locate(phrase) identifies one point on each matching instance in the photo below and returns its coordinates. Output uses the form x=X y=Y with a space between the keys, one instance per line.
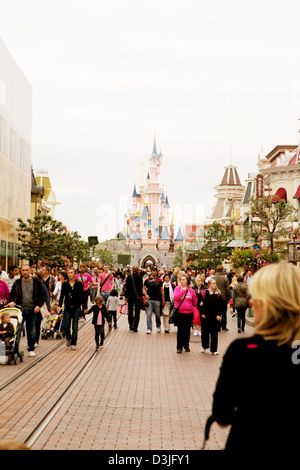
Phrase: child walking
x=112 y=306
x=99 y=316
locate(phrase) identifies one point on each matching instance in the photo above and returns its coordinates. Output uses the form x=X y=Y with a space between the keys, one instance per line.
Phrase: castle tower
x=153 y=189
x=149 y=233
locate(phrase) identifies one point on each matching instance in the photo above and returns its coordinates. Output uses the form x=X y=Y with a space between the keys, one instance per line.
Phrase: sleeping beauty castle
x=149 y=225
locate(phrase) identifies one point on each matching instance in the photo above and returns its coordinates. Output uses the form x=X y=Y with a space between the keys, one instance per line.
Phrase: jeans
x=105 y=296
x=93 y=294
x=241 y=317
x=154 y=306
x=30 y=318
x=99 y=332
x=72 y=317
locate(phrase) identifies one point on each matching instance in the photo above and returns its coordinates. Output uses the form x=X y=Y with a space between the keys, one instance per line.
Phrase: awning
x=280 y=194
x=297 y=193
x=242 y=220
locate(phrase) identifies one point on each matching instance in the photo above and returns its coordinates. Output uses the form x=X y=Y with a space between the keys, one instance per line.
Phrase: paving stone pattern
x=139 y=394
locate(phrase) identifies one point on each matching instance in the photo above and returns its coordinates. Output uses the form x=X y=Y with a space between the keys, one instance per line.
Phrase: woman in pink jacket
x=186 y=299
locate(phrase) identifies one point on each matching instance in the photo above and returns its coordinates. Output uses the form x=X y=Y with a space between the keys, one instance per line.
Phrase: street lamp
x=214 y=244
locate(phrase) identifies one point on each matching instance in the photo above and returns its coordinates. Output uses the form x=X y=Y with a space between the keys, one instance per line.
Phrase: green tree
x=105 y=256
x=178 y=260
x=39 y=237
x=273 y=217
x=44 y=239
x=223 y=235
x=75 y=248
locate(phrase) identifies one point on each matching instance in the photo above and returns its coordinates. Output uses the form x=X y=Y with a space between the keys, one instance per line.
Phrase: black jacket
x=74 y=297
x=95 y=310
x=138 y=280
x=16 y=293
x=212 y=306
x=257 y=392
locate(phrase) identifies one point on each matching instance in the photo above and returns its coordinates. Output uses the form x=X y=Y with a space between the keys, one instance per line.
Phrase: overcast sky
x=215 y=81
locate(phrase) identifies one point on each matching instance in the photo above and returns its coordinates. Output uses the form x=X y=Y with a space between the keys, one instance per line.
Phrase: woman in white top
x=57 y=290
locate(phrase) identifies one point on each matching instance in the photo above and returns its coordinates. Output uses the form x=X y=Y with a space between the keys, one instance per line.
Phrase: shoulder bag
x=102 y=283
x=174 y=312
x=249 y=301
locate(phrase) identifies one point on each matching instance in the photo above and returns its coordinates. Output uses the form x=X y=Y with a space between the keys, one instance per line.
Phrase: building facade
x=15 y=154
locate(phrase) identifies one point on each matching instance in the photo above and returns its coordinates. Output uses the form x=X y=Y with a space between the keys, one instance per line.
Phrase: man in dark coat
x=28 y=293
x=133 y=295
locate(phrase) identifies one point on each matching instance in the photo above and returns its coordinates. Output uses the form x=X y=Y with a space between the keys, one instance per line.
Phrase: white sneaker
x=149 y=332
x=195 y=333
x=203 y=350
x=31 y=353
x=73 y=347
x=158 y=330
x=215 y=353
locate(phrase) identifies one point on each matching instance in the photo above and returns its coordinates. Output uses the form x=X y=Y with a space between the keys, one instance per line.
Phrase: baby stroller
x=14 y=353
x=56 y=332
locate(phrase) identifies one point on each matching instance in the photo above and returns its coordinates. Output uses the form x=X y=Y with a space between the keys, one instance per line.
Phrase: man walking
x=133 y=295
x=106 y=283
x=11 y=277
x=28 y=293
x=153 y=289
x=72 y=294
x=248 y=278
x=223 y=286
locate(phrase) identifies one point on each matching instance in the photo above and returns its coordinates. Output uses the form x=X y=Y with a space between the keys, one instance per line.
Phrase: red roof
x=297 y=193
x=280 y=194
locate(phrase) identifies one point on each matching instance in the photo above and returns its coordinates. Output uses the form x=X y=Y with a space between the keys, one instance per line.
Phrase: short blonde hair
x=4 y=313
x=277 y=286
x=183 y=273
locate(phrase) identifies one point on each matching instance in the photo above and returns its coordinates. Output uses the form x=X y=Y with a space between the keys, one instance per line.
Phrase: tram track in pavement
x=59 y=344
x=31 y=398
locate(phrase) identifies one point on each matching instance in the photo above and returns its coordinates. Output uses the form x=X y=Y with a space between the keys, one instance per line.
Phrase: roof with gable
x=295 y=160
x=165 y=235
x=278 y=150
x=179 y=237
x=231 y=177
x=167 y=205
x=135 y=194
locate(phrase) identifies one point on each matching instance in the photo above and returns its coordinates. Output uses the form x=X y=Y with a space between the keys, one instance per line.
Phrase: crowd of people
x=198 y=302
x=258 y=372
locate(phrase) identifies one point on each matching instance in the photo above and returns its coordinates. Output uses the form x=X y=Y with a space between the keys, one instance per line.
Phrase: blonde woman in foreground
x=257 y=391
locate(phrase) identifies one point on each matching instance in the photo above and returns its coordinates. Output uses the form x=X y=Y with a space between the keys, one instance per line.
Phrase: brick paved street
x=140 y=394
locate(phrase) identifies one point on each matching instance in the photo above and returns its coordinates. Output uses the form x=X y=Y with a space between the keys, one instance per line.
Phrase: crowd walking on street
x=247 y=391
x=198 y=302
